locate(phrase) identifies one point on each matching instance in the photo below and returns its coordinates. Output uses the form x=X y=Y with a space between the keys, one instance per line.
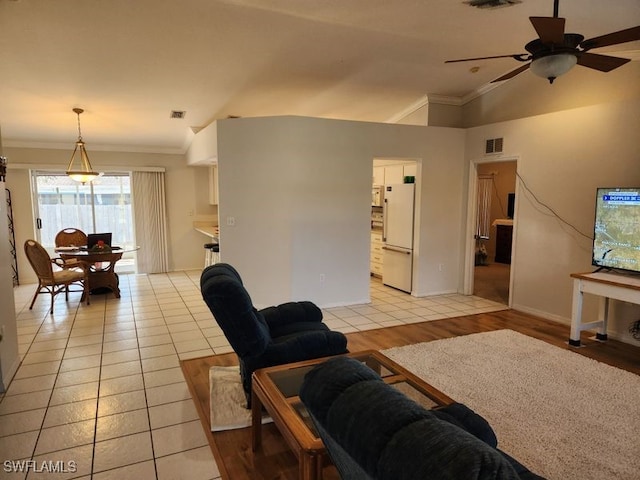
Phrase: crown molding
x=440 y=100
x=478 y=92
x=104 y=168
x=421 y=102
x=445 y=100
x=93 y=147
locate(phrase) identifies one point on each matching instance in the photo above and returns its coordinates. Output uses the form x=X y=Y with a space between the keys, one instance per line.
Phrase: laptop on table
x=94 y=238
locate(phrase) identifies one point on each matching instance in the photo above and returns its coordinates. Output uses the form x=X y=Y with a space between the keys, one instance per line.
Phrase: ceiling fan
x=554 y=53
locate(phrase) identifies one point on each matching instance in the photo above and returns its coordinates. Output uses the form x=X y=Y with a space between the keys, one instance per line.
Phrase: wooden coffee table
x=276 y=390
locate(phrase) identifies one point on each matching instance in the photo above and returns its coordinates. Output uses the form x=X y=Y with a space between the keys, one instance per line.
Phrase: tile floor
x=100 y=393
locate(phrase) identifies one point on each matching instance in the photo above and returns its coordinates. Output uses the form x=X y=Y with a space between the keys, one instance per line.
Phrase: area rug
x=227 y=405
x=563 y=415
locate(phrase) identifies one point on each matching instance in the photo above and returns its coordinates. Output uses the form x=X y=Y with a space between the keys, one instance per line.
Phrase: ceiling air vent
x=492 y=3
x=177 y=114
x=494 y=145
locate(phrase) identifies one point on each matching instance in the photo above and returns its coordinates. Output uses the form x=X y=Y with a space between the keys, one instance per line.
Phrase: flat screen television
x=616 y=236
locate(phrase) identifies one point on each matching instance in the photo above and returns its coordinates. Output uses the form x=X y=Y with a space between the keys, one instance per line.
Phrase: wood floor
x=232 y=449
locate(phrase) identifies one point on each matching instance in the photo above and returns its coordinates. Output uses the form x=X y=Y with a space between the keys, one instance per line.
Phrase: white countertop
x=212 y=231
x=502 y=221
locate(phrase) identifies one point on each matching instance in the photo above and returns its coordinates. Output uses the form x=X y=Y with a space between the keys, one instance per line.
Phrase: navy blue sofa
x=372 y=431
x=288 y=333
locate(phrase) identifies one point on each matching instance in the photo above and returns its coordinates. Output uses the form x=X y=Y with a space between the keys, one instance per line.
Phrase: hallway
x=491 y=282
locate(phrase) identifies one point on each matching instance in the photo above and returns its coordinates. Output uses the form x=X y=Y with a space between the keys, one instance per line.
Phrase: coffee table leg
x=256 y=421
x=309 y=466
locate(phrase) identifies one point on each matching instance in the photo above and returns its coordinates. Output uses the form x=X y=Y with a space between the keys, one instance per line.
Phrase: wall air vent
x=494 y=145
x=177 y=114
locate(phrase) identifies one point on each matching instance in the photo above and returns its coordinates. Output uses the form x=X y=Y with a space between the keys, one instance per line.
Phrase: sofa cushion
x=467 y=419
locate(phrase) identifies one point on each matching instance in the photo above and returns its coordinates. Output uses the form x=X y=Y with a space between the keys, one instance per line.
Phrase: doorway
x=495 y=186
x=394 y=262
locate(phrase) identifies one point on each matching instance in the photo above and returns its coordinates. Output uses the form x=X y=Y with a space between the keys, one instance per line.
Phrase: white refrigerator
x=398 y=236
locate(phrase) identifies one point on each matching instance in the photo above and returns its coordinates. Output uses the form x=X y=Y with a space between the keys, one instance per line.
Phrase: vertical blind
x=483 y=216
x=150 y=220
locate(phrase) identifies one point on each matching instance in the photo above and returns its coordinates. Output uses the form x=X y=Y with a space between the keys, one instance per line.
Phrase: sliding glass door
x=98 y=207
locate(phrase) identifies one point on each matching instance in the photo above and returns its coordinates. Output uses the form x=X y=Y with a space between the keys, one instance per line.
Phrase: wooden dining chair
x=50 y=280
x=70 y=237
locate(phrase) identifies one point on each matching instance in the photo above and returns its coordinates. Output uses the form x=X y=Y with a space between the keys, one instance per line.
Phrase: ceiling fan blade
x=604 y=63
x=512 y=73
x=550 y=29
x=622 y=36
x=518 y=56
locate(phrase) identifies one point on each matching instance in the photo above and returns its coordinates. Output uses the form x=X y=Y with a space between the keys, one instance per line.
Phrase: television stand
x=605 y=285
x=599 y=269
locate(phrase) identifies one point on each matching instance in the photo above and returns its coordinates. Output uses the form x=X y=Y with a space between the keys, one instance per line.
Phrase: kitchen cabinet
x=391 y=174
x=378 y=175
x=376 y=262
x=213 y=185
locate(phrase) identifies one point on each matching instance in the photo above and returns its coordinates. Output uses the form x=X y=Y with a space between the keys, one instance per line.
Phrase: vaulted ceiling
x=129 y=63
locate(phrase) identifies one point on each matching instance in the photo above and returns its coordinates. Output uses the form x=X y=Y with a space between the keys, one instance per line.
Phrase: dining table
x=99 y=264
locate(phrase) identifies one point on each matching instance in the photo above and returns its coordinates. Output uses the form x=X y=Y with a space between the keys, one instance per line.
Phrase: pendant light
x=85 y=173
x=3 y=162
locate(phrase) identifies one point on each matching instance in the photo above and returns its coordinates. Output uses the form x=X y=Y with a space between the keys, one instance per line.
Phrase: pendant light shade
x=552 y=66
x=85 y=172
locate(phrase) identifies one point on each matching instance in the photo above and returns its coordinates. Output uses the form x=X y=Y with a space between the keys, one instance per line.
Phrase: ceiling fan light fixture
x=85 y=173
x=552 y=66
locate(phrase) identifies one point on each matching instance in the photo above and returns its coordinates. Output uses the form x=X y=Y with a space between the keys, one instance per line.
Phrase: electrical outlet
x=440 y=267
x=231 y=221
x=322 y=278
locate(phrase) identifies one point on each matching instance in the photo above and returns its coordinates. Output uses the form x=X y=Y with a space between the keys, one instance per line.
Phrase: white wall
x=444 y=115
x=563 y=157
x=435 y=113
x=9 y=359
x=299 y=190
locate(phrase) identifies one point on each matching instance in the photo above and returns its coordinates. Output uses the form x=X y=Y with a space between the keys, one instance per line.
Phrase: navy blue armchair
x=287 y=333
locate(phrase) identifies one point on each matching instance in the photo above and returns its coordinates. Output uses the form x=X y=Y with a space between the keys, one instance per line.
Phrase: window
x=101 y=206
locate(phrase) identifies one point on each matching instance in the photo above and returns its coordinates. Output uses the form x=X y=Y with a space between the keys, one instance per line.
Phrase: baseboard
x=434 y=293
x=611 y=333
x=10 y=374
x=542 y=313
